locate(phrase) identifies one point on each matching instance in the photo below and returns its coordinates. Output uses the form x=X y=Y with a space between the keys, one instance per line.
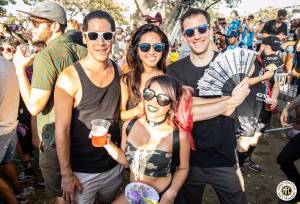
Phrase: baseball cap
x=272 y=41
x=153 y=18
x=49 y=10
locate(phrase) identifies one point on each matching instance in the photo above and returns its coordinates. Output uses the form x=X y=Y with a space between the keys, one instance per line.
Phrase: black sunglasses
x=191 y=31
x=108 y=36
x=145 y=47
x=162 y=100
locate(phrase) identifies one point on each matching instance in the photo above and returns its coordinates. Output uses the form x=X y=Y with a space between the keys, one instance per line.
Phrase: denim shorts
x=8 y=143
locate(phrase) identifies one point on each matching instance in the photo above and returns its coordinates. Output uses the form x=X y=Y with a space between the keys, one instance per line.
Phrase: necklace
x=153 y=124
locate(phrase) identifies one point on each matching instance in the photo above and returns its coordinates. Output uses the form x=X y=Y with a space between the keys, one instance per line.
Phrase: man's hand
x=70 y=185
x=274 y=103
x=284 y=117
x=239 y=93
x=20 y=61
x=268 y=75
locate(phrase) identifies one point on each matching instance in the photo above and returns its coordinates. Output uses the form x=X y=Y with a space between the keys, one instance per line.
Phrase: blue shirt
x=247 y=36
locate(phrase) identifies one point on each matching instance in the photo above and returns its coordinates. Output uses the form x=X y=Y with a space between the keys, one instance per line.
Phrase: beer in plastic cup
x=268 y=103
x=99 y=132
x=28 y=50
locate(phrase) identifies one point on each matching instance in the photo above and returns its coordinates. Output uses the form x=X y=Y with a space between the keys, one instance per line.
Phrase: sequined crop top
x=153 y=163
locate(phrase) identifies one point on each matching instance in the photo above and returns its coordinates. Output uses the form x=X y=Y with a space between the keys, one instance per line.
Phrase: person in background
x=258 y=34
x=9 y=103
x=290 y=152
x=153 y=18
x=248 y=30
x=8 y=48
x=233 y=41
x=47 y=23
x=235 y=24
x=277 y=26
x=73 y=31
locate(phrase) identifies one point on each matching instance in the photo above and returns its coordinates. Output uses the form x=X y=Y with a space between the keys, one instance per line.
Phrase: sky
x=245 y=7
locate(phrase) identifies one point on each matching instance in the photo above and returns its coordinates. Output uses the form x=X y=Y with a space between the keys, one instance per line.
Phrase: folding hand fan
x=226 y=71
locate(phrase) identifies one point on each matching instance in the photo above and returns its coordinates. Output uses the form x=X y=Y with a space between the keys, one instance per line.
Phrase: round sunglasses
x=145 y=47
x=10 y=50
x=190 y=32
x=108 y=36
x=162 y=99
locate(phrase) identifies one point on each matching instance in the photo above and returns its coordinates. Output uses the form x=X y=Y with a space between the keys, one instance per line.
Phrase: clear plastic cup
x=28 y=50
x=99 y=132
x=268 y=103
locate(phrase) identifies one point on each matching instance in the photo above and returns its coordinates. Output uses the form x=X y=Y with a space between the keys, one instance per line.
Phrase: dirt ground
x=260 y=187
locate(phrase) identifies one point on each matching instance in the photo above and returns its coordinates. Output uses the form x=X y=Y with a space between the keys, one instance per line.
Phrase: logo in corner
x=286 y=190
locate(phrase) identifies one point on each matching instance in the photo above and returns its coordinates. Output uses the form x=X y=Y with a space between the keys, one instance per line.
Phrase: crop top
x=153 y=163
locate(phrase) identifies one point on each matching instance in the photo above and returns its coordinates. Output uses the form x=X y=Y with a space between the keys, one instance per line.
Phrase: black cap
x=272 y=41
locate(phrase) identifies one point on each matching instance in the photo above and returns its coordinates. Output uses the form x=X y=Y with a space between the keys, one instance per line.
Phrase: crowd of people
x=56 y=76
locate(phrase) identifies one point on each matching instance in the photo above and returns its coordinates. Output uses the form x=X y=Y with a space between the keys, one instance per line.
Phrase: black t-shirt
x=215 y=138
x=270 y=28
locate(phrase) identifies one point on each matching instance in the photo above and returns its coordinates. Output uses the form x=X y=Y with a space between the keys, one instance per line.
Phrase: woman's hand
x=168 y=197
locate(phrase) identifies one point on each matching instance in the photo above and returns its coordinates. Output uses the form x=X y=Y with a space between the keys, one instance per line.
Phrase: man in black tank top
x=88 y=90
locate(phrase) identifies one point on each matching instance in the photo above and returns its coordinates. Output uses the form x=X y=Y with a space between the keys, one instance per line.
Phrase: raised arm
x=35 y=99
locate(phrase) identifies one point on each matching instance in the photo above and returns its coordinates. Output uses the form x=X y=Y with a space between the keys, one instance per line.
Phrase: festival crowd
x=57 y=76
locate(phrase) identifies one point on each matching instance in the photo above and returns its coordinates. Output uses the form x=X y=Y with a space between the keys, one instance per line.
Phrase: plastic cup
x=99 y=132
x=268 y=103
x=28 y=50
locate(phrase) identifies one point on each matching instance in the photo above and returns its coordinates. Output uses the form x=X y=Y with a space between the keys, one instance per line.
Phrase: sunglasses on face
x=36 y=22
x=158 y=47
x=191 y=31
x=162 y=100
x=108 y=36
x=10 y=50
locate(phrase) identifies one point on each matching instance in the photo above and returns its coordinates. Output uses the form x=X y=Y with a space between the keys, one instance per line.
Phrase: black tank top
x=96 y=103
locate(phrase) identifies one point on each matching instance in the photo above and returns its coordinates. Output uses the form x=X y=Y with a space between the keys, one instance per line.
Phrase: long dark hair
x=180 y=114
x=133 y=78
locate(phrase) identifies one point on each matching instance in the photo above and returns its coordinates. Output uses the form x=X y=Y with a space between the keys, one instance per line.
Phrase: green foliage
x=76 y=6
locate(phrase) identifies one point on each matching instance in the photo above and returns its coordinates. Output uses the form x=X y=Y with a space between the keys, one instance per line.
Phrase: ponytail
x=183 y=116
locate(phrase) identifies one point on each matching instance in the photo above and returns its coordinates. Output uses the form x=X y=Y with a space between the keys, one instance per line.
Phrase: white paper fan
x=226 y=71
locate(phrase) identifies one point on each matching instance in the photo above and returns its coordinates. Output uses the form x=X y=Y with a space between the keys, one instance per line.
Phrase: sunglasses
x=108 y=36
x=191 y=31
x=10 y=50
x=162 y=100
x=36 y=23
x=158 y=47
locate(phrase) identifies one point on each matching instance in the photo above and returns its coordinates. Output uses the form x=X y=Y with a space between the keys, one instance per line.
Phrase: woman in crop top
x=147 y=149
x=146 y=58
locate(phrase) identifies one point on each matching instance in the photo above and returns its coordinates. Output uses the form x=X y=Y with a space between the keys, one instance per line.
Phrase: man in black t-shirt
x=214 y=160
x=277 y=26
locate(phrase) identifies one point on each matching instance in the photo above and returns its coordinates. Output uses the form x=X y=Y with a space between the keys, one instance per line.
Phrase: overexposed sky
x=245 y=7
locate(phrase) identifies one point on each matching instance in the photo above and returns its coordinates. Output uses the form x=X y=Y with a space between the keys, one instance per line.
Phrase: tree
x=4 y=3
x=76 y=6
